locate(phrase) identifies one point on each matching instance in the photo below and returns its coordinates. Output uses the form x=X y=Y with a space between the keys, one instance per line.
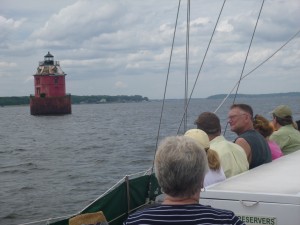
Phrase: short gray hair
x=180 y=166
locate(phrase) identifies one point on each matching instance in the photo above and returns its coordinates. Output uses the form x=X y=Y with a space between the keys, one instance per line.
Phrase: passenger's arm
x=244 y=144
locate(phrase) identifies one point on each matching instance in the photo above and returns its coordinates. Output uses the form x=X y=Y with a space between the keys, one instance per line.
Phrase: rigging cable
x=187 y=53
x=250 y=44
x=189 y=99
x=255 y=68
x=165 y=91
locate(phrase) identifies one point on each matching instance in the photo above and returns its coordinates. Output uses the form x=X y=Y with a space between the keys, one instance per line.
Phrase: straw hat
x=199 y=136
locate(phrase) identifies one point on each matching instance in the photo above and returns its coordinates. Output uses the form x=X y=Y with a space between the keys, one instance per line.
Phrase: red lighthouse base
x=50 y=105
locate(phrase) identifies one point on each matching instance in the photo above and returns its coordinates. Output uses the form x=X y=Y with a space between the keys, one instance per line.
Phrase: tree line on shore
x=76 y=99
x=97 y=99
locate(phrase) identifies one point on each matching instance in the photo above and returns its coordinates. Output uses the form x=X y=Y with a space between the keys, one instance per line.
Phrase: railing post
x=128 y=193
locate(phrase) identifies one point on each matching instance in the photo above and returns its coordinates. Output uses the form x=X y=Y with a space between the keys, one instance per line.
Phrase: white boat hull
x=268 y=194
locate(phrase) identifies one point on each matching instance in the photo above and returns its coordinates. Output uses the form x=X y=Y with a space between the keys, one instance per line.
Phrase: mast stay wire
x=250 y=45
x=166 y=83
x=187 y=53
x=255 y=68
x=202 y=63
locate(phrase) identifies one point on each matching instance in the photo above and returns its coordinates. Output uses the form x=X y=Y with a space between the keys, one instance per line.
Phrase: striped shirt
x=182 y=214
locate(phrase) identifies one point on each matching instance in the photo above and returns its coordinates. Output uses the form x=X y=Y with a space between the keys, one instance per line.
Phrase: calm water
x=56 y=165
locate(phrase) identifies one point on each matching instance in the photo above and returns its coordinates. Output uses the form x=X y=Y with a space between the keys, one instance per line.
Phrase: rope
x=166 y=84
x=185 y=110
x=250 y=44
x=187 y=60
x=263 y=62
x=255 y=68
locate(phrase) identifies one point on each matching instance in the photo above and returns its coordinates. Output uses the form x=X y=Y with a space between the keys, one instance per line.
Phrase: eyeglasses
x=232 y=117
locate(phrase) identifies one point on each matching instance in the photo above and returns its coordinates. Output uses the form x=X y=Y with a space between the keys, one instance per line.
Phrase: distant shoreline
x=76 y=99
x=288 y=94
x=222 y=96
x=105 y=99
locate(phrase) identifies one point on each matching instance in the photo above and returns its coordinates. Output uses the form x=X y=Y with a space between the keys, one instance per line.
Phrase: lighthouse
x=50 y=96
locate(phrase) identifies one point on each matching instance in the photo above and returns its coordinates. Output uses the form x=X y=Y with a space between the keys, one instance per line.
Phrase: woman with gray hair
x=180 y=166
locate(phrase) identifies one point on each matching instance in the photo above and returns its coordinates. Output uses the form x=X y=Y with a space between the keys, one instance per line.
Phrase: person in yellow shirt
x=232 y=156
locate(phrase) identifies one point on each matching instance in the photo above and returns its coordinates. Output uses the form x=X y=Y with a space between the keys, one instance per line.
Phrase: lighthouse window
x=56 y=80
x=38 y=80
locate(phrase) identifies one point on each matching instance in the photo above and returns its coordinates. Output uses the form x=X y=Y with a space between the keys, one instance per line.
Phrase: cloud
x=225 y=26
x=10 y=23
x=8 y=26
x=80 y=22
x=200 y=21
x=102 y=44
x=120 y=85
x=7 y=64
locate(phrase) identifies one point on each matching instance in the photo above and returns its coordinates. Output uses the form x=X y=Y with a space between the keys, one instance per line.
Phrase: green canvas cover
x=142 y=191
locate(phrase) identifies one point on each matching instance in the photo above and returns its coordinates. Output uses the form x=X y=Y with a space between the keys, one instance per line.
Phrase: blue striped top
x=182 y=214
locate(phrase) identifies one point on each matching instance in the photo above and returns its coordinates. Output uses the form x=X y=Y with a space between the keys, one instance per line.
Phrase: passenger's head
x=240 y=118
x=180 y=166
x=283 y=115
x=262 y=125
x=202 y=139
x=209 y=123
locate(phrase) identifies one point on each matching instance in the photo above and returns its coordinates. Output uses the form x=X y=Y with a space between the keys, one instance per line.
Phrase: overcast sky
x=114 y=47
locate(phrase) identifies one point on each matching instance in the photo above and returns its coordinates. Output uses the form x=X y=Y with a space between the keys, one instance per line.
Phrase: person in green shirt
x=286 y=136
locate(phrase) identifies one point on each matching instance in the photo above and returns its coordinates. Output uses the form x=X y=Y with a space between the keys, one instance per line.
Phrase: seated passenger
x=215 y=172
x=180 y=167
x=240 y=119
x=262 y=125
x=232 y=156
x=286 y=136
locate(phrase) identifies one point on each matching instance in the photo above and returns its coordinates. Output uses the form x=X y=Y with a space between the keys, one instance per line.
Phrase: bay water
x=52 y=166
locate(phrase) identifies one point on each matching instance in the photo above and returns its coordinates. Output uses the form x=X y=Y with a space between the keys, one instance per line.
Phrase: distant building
x=50 y=96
